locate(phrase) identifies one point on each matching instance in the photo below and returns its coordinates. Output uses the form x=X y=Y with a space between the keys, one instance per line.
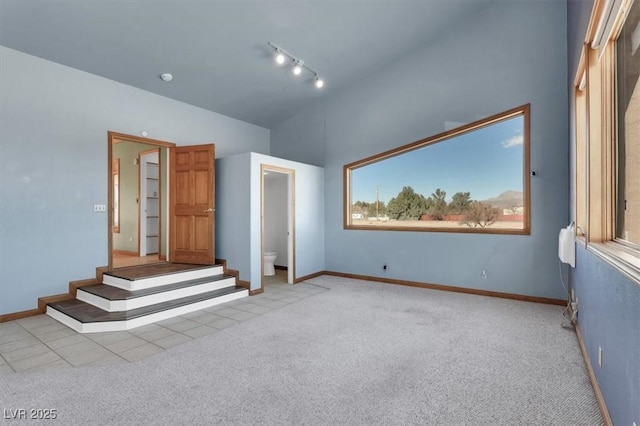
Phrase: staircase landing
x=140 y=295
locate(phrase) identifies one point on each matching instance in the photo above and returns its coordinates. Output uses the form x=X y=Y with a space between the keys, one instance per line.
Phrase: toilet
x=269 y=259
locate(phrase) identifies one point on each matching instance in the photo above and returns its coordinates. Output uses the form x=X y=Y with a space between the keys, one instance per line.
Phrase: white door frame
x=291 y=228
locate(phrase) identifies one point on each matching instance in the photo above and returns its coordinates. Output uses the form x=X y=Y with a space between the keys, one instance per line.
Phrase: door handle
x=209 y=210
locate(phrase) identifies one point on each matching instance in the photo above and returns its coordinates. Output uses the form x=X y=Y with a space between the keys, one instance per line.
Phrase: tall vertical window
x=628 y=128
x=607 y=111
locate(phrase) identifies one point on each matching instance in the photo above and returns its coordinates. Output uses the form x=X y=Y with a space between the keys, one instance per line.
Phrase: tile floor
x=40 y=342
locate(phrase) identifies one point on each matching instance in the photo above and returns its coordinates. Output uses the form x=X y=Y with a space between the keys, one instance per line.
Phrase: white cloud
x=514 y=141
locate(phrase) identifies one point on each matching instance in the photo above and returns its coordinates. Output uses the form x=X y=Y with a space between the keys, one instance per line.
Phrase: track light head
x=319 y=82
x=297 y=68
x=279 y=57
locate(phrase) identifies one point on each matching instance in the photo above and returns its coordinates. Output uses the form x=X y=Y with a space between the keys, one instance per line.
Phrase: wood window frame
x=524 y=111
x=596 y=172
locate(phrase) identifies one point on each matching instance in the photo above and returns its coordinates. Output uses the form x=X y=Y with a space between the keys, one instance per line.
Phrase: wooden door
x=192 y=205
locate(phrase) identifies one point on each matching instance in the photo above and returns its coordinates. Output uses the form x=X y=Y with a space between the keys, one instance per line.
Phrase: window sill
x=624 y=259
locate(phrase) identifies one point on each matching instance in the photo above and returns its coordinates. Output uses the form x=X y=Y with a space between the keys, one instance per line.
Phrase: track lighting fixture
x=298 y=64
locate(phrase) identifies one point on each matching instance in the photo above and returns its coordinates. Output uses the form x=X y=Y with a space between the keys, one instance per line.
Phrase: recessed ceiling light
x=166 y=76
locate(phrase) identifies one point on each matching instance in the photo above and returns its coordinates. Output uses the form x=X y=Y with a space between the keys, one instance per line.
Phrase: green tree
x=377 y=207
x=439 y=206
x=360 y=207
x=480 y=215
x=428 y=204
x=407 y=205
x=460 y=202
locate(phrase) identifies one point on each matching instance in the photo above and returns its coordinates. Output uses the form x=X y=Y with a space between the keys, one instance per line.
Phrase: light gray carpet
x=361 y=353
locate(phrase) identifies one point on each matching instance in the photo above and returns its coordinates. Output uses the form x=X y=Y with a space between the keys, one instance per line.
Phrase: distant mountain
x=506 y=200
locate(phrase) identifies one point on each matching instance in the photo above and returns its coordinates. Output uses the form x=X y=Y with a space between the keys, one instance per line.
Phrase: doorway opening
x=277 y=202
x=150 y=180
x=138 y=200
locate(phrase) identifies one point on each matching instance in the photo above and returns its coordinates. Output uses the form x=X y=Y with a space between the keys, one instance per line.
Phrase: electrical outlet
x=483 y=274
x=384 y=267
x=599 y=356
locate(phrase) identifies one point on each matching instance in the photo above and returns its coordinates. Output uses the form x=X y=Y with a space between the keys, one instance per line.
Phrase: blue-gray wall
x=53 y=166
x=233 y=204
x=499 y=59
x=609 y=318
x=608 y=302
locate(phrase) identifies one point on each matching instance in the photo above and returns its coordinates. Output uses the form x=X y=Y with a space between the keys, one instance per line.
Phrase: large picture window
x=474 y=178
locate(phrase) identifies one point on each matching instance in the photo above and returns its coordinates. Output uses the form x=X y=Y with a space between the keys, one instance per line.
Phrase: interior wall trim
x=592 y=378
x=310 y=276
x=232 y=272
x=125 y=252
x=18 y=315
x=512 y=296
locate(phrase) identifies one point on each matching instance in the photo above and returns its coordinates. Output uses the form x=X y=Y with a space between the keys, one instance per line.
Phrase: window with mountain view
x=474 y=178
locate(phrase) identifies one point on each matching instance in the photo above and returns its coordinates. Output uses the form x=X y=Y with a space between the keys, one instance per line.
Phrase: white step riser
x=152 y=299
x=138 y=322
x=133 y=285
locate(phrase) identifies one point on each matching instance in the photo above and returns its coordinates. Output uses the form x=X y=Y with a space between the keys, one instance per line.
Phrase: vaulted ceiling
x=217 y=49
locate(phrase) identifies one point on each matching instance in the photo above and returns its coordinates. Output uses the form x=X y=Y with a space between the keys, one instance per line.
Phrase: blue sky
x=485 y=162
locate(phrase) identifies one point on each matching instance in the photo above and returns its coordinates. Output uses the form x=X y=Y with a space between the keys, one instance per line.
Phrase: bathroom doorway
x=277 y=225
